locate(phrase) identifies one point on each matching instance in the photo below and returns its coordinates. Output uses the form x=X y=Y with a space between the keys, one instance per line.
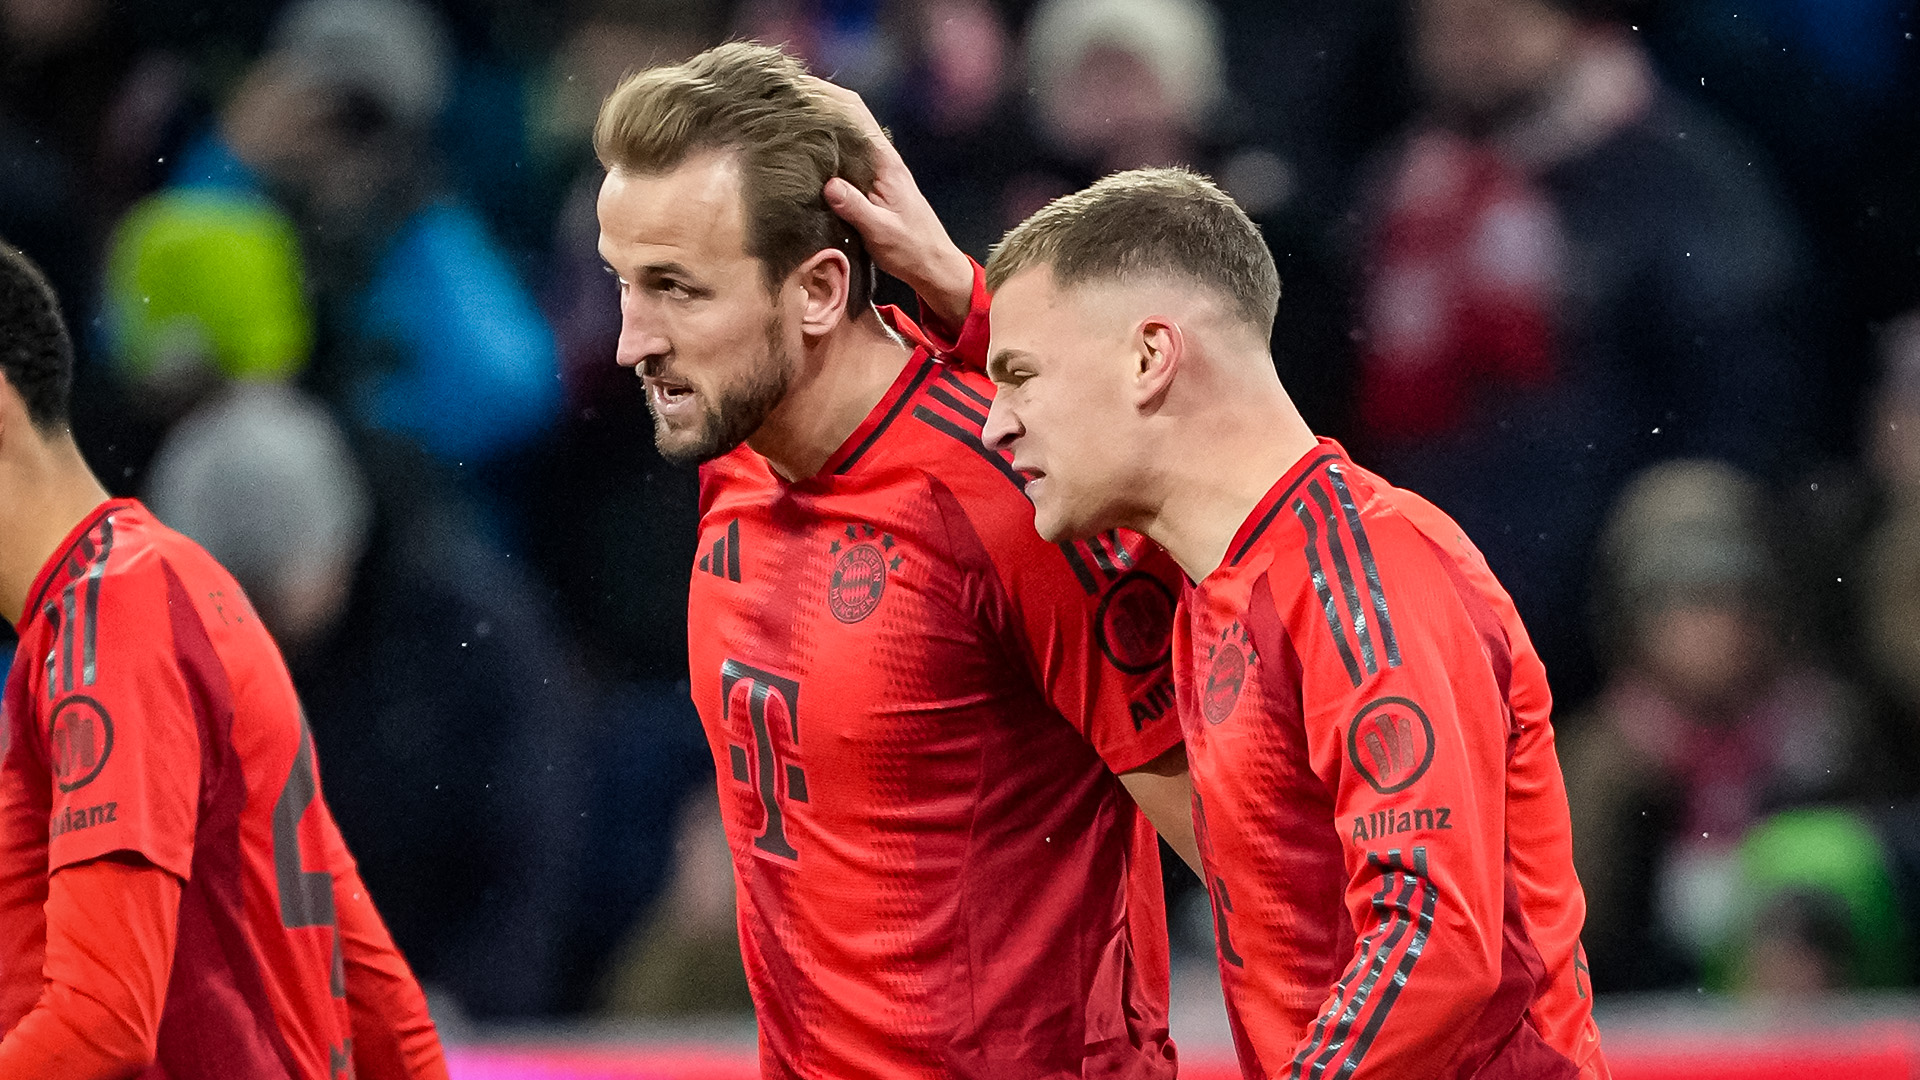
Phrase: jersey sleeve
x=966 y=344
x=1094 y=620
x=1407 y=726
x=123 y=744
x=393 y=1036
x=110 y=934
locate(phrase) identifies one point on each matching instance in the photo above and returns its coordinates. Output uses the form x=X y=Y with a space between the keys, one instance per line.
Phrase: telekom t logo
x=769 y=768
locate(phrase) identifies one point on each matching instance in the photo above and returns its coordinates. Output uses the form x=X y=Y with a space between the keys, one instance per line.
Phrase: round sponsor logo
x=1390 y=743
x=1135 y=623
x=1224 y=679
x=858 y=580
x=79 y=739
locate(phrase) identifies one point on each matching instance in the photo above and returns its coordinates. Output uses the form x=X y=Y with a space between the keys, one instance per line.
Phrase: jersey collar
x=1276 y=497
x=912 y=376
x=61 y=566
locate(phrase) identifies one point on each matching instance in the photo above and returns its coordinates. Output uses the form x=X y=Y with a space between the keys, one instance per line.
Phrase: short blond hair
x=752 y=101
x=1148 y=222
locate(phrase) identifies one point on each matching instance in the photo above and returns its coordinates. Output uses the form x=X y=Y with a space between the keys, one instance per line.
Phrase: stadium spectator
x=431 y=334
x=1569 y=272
x=1709 y=719
x=445 y=709
x=1115 y=84
x=685 y=959
x=1815 y=909
x=1889 y=592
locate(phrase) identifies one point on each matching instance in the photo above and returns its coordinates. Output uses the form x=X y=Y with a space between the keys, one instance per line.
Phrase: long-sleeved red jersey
x=162 y=828
x=1382 y=818
x=917 y=710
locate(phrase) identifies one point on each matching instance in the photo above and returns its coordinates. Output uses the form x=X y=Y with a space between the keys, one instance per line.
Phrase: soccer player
x=174 y=898
x=1382 y=821
x=925 y=721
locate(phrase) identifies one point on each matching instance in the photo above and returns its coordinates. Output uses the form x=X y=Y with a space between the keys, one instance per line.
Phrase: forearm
x=944 y=282
x=1415 y=988
x=393 y=1036
x=1164 y=792
x=110 y=938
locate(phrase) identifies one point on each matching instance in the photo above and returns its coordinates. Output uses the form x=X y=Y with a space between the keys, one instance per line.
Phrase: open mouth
x=1028 y=474
x=668 y=393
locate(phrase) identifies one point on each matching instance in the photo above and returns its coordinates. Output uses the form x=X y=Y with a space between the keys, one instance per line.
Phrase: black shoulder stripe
x=955 y=381
x=1367 y=566
x=95 y=572
x=1254 y=536
x=1327 y=604
x=919 y=377
x=1343 y=567
x=1101 y=556
x=971 y=440
x=1080 y=568
x=940 y=395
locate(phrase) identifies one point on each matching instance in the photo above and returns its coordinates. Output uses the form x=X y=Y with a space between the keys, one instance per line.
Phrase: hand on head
x=902 y=232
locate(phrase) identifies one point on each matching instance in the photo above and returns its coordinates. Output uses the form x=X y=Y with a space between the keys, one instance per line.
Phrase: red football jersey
x=917 y=708
x=1382 y=819
x=148 y=711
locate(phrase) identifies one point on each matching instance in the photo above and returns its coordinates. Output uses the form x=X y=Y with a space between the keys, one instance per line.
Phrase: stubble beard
x=738 y=410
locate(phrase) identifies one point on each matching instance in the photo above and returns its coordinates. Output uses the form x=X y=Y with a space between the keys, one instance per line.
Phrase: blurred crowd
x=1632 y=290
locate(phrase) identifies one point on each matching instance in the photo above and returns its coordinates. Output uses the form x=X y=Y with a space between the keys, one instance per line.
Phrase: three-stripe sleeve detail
x=1367 y=566
x=1371 y=623
x=1405 y=903
x=75 y=615
x=1319 y=575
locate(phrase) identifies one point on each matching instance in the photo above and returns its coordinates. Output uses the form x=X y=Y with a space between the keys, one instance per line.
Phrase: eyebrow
x=649 y=268
x=997 y=363
x=669 y=267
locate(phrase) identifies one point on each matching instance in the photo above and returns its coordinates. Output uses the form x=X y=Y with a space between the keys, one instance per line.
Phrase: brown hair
x=749 y=100
x=1148 y=221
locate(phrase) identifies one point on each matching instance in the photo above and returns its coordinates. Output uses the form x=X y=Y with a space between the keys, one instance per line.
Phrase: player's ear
x=826 y=281
x=1159 y=349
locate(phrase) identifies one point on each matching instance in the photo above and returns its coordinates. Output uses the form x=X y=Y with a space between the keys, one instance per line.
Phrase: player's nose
x=641 y=339
x=1003 y=427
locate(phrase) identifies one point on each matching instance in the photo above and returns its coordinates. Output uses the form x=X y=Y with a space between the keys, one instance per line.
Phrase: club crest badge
x=1230 y=658
x=863 y=557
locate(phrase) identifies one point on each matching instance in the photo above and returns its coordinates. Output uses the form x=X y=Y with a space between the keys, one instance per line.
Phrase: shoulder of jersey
x=144 y=544
x=944 y=420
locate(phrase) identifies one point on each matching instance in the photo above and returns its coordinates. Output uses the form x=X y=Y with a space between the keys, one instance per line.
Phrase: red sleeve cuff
x=966 y=344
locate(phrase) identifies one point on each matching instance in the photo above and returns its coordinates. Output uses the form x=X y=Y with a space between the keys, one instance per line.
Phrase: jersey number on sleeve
x=306 y=896
x=771 y=706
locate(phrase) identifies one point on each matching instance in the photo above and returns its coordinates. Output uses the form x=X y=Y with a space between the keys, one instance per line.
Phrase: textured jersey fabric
x=1383 y=824
x=917 y=709
x=149 y=715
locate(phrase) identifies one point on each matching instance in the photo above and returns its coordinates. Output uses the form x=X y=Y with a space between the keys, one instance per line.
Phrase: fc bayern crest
x=865 y=558
x=1229 y=658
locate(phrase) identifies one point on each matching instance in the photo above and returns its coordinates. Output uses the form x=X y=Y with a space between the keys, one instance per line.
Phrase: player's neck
x=841 y=378
x=45 y=490
x=1216 y=467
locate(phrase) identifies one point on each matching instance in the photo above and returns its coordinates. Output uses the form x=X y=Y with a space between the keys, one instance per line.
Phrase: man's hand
x=899 y=226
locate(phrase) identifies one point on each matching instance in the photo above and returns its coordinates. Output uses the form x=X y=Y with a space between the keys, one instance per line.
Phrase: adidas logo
x=724 y=560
